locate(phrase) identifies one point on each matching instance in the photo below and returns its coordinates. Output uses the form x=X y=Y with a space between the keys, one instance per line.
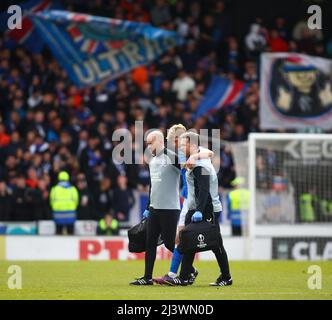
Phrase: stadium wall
x=52 y=248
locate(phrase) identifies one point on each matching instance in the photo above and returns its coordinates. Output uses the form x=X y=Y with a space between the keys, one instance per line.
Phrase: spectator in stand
x=169 y=65
x=306 y=44
x=160 y=13
x=106 y=143
x=182 y=85
x=319 y=49
x=223 y=19
x=108 y=226
x=301 y=28
x=99 y=100
x=209 y=35
x=226 y=174
x=189 y=57
x=11 y=167
x=233 y=57
x=104 y=197
x=276 y=43
x=15 y=143
x=5 y=202
x=140 y=76
x=86 y=208
x=82 y=142
x=4 y=137
x=255 y=42
x=137 y=13
x=42 y=210
x=90 y=156
x=32 y=178
x=166 y=95
x=21 y=209
x=124 y=199
x=280 y=27
x=250 y=73
x=239 y=133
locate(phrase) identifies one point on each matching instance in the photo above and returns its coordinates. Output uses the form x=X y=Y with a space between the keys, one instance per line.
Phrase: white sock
x=172 y=274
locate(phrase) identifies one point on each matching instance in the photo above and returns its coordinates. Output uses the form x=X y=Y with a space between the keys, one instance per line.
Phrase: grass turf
x=109 y=280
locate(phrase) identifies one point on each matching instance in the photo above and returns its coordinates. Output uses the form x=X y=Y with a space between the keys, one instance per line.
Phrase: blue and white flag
x=221 y=93
x=93 y=49
x=27 y=35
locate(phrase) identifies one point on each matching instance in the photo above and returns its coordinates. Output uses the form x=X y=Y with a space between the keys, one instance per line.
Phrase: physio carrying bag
x=137 y=237
x=198 y=237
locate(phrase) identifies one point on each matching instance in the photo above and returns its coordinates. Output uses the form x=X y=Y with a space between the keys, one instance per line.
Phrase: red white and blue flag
x=94 y=49
x=26 y=36
x=221 y=93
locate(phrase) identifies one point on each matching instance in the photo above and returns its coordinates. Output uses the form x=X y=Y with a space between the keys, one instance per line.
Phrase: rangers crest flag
x=295 y=91
x=93 y=49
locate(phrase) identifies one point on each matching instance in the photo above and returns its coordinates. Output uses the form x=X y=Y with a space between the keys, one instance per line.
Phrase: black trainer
x=222 y=282
x=193 y=277
x=176 y=281
x=142 y=282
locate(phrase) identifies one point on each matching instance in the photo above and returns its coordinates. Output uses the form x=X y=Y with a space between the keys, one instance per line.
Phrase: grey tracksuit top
x=165 y=174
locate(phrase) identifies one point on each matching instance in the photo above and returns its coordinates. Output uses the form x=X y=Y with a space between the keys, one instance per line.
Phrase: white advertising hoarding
x=109 y=248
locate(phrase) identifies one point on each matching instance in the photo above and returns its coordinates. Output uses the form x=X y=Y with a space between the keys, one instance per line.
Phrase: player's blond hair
x=175 y=131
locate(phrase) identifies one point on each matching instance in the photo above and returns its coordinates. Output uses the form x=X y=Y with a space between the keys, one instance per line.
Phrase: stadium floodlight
x=290 y=184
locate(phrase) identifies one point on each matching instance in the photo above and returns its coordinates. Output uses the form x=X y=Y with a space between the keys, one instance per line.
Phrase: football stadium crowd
x=47 y=125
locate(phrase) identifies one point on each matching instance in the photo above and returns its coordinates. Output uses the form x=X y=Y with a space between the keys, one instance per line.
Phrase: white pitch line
x=245 y=293
x=280 y=293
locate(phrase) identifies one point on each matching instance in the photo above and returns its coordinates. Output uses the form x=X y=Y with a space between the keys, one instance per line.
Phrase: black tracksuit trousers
x=160 y=222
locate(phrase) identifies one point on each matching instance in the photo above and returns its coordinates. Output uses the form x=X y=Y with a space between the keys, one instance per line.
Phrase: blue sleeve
x=184 y=191
x=228 y=200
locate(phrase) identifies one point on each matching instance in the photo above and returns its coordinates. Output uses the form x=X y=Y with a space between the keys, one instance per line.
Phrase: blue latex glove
x=146 y=213
x=197 y=216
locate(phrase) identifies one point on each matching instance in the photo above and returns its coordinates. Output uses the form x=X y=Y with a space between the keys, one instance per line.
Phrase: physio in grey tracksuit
x=164 y=198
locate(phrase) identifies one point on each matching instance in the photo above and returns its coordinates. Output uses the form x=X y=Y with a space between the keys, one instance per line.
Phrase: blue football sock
x=176 y=260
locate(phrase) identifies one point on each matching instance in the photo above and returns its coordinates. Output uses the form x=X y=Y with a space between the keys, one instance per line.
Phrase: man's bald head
x=155 y=134
x=155 y=141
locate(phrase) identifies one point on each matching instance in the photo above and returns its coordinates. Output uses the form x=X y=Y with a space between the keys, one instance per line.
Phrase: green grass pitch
x=109 y=280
